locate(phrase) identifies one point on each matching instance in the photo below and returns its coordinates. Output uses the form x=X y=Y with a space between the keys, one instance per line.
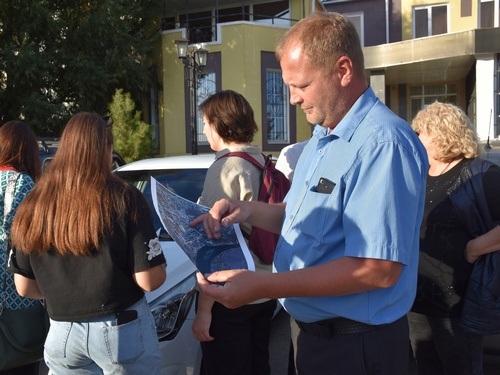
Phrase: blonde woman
x=447 y=249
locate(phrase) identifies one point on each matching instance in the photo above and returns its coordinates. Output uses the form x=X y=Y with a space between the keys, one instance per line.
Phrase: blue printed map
x=228 y=252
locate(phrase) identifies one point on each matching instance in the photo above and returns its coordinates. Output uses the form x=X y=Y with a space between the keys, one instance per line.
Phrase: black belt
x=335 y=326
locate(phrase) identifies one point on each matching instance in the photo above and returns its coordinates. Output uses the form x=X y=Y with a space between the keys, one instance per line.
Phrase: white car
x=491 y=154
x=173 y=303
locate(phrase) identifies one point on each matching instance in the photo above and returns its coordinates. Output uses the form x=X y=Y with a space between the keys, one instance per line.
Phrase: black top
x=79 y=288
x=443 y=271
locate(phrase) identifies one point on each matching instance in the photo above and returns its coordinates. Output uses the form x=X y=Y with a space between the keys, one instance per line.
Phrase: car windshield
x=188 y=183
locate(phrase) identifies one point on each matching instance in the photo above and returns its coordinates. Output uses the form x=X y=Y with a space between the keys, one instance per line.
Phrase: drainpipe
x=387 y=18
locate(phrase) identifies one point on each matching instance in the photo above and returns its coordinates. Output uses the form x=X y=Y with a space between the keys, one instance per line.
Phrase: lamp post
x=194 y=60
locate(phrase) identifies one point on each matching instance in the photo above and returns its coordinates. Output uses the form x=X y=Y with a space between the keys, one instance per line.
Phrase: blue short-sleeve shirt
x=378 y=167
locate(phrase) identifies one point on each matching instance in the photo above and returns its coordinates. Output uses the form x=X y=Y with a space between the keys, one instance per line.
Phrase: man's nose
x=295 y=97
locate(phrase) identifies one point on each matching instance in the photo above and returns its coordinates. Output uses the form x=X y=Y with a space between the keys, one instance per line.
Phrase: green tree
x=59 y=57
x=132 y=137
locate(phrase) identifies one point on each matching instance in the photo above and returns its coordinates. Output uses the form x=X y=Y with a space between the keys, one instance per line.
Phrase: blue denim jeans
x=99 y=346
x=440 y=346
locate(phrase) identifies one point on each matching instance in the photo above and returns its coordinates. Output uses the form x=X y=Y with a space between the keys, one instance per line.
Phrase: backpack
x=273 y=188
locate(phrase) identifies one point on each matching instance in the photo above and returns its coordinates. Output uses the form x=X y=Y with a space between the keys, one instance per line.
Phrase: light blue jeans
x=99 y=346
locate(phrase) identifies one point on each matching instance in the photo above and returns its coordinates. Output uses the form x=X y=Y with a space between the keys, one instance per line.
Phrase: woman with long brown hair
x=19 y=169
x=85 y=242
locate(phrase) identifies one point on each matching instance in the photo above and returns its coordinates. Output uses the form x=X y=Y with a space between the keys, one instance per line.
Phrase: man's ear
x=344 y=70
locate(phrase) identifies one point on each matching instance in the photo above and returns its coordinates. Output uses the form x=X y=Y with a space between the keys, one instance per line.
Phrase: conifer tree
x=132 y=136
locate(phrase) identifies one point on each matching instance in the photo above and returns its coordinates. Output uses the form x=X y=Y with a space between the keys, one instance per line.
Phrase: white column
x=377 y=82
x=485 y=96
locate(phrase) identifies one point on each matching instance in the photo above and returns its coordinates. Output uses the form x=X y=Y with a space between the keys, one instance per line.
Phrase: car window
x=45 y=163
x=47 y=150
x=188 y=183
x=492 y=155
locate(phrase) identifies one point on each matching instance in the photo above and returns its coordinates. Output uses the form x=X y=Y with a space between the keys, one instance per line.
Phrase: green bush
x=132 y=136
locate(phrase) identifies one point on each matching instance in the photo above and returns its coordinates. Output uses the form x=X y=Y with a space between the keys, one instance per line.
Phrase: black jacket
x=481 y=309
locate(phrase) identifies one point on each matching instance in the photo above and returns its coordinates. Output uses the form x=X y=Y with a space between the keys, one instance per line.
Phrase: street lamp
x=194 y=60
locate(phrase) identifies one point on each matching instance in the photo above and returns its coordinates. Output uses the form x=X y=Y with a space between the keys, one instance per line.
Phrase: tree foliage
x=59 y=57
x=132 y=137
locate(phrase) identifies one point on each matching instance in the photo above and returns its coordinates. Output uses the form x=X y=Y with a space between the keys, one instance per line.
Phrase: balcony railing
x=204 y=29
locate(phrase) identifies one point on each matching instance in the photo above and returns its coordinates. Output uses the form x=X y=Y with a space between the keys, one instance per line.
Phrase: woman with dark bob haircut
x=233 y=341
x=84 y=240
x=19 y=169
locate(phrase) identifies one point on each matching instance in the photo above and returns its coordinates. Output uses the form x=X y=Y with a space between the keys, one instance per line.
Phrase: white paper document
x=228 y=252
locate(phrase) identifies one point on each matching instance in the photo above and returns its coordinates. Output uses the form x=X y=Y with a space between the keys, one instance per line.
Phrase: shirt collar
x=348 y=125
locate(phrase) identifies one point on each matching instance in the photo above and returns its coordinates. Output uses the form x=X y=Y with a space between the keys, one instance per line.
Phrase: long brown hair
x=73 y=205
x=19 y=148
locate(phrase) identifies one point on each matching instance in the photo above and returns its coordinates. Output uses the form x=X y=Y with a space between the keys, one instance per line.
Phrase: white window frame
x=495 y=15
x=361 y=29
x=206 y=86
x=429 y=17
x=284 y=129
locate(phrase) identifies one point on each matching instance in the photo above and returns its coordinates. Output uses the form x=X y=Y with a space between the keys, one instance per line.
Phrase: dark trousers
x=380 y=351
x=440 y=346
x=30 y=369
x=241 y=340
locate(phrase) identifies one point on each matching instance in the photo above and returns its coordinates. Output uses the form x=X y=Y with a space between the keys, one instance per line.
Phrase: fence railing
x=204 y=29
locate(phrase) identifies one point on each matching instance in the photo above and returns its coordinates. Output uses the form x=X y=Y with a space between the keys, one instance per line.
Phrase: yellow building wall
x=241 y=63
x=171 y=102
x=240 y=45
x=455 y=20
x=459 y=23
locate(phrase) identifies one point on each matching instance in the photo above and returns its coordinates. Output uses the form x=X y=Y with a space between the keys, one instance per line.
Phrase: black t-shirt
x=443 y=272
x=79 y=288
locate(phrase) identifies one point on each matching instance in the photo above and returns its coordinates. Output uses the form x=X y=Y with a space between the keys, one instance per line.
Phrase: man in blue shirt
x=346 y=263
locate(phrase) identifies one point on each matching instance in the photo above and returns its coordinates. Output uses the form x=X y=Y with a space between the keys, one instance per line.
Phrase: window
x=199 y=26
x=430 y=20
x=208 y=82
x=277 y=99
x=496 y=115
x=202 y=25
x=153 y=115
x=421 y=96
x=206 y=87
x=278 y=116
x=357 y=20
x=486 y=13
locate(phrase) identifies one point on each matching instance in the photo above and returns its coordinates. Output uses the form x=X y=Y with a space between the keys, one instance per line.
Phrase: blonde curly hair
x=452 y=132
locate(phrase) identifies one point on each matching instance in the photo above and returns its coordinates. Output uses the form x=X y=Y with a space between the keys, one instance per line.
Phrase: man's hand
x=234 y=288
x=224 y=212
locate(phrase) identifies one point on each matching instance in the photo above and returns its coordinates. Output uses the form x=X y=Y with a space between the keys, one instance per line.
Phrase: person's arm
x=151 y=278
x=230 y=211
x=342 y=276
x=484 y=244
x=203 y=319
x=27 y=287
